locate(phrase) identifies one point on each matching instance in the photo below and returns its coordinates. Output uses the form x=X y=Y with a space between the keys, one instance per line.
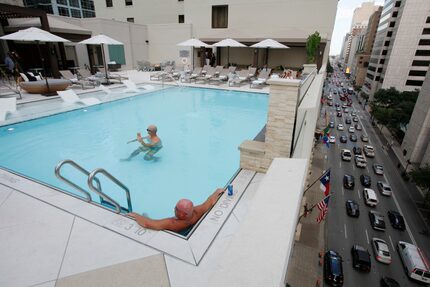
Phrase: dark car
x=343 y=139
x=348 y=181
x=365 y=180
x=357 y=150
x=337 y=105
x=352 y=208
x=376 y=220
x=348 y=121
x=353 y=138
x=389 y=282
x=396 y=220
x=333 y=271
x=339 y=114
x=360 y=258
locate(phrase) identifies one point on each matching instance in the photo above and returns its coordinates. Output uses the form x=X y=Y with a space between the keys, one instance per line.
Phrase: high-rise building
x=401 y=52
x=355 y=37
x=362 y=14
x=69 y=8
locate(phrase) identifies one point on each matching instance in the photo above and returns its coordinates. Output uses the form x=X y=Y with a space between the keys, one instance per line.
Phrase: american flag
x=325 y=182
x=323 y=207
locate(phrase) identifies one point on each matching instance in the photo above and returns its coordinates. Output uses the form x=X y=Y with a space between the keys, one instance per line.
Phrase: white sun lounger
x=70 y=97
x=7 y=105
x=131 y=87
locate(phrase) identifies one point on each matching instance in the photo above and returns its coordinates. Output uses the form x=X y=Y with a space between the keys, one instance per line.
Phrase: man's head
x=152 y=129
x=184 y=209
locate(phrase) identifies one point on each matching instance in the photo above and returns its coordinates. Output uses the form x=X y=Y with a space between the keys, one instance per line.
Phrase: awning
x=55 y=24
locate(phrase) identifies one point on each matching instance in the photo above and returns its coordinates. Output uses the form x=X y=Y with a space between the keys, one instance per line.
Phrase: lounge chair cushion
x=39 y=87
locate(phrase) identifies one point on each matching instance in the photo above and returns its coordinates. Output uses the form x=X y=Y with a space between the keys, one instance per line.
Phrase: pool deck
x=49 y=238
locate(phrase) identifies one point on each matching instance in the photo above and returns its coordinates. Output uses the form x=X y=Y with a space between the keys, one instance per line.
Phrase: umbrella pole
x=105 y=65
x=228 y=56
x=267 y=56
x=43 y=66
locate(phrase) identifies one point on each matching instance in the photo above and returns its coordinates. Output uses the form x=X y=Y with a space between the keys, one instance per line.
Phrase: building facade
x=362 y=14
x=68 y=8
x=401 y=52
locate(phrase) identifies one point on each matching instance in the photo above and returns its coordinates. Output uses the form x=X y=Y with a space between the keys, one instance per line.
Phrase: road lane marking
x=340 y=164
x=384 y=151
x=343 y=191
x=392 y=245
x=358 y=191
x=367 y=237
x=367 y=167
x=353 y=167
x=344 y=225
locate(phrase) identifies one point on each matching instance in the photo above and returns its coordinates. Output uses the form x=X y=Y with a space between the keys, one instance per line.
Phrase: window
x=389 y=33
x=62 y=2
x=414 y=83
x=424 y=42
x=379 y=70
x=428 y=20
x=180 y=0
x=181 y=19
x=131 y=20
x=74 y=3
x=128 y=2
x=220 y=16
x=417 y=73
x=384 y=52
x=109 y=3
x=63 y=11
x=387 y=43
x=88 y=14
x=371 y=68
x=381 y=80
x=395 y=13
x=366 y=64
x=418 y=63
x=75 y=13
x=87 y=4
x=369 y=76
x=377 y=78
x=361 y=62
x=392 y=24
x=398 y=3
x=422 y=53
x=426 y=31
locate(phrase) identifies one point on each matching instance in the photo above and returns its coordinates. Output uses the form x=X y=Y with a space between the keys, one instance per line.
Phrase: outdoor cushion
x=39 y=87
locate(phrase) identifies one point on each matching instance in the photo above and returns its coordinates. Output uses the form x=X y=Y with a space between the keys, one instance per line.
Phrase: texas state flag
x=325 y=182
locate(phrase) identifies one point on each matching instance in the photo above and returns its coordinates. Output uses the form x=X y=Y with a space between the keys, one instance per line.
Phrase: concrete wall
x=13 y=2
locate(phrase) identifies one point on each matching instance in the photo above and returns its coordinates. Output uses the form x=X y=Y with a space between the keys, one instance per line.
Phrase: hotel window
x=63 y=11
x=220 y=16
x=128 y=2
x=387 y=43
x=131 y=20
x=87 y=4
x=75 y=13
x=417 y=73
x=428 y=20
x=419 y=63
x=392 y=24
x=180 y=0
x=379 y=70
x=426 y=31
x=109 y=3
x=377 y=78
x=62 y=2
x=384 y=52
x=181 y=19
x=398 y=3
x=382 y=61
x=422 y=53
x=414 y=83
x=424 y=42
x=74 y=3
x=389 y=33
x=395 y=13
x=88 y=14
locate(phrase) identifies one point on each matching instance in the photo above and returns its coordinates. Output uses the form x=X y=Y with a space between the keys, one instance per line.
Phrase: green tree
x=421 y=177
x=312 y=45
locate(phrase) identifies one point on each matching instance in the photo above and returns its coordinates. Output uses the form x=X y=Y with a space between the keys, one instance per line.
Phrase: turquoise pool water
x=201 y=130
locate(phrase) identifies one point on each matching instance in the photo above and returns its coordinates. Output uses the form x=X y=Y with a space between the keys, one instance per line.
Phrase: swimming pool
x=201 y=130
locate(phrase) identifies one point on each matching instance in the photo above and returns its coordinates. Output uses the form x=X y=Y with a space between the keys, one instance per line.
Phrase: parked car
x=346 y=155
x=378 y=169
x=343 y=139
x=348 y=181
x=369 y=151
x=357 y=150
x=384 y=188
x=360 y=161
x=353 y=138
x=348 y=121
x=365 y=180
x=364 y=138
x=381 y=251
x=340 y=127
x=361 y=258
x=396 y=219
x=358 y=127
x=388 y=282
x=332 y=139
x=333 y=271
x=351 y=129
x=352 y=208
x=377 y=220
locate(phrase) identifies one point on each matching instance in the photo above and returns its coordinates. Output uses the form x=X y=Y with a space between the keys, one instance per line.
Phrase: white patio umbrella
x=228 y=43
x=194 y=43
x=37 y=35
x=102 y=40
x=269 y=43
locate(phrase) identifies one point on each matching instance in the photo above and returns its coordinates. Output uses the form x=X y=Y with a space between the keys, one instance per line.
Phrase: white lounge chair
x=7 y=105
x=70 y=97
x=131 y=87
x=105 y=89
x=261 y=79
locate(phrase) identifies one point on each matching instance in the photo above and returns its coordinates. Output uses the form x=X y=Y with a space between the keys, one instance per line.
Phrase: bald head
x=152 y=128
x=184 y=208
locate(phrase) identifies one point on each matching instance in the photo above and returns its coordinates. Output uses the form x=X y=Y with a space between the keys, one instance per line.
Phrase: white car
x=384 y=188
x=346 y=155
x=332 y=139
x=360 y=161
x=340 y=127
x=351 y=129
x=380 y=248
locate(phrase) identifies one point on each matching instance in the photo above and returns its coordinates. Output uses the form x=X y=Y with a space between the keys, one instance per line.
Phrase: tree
x=421 y=177
x=312 y=45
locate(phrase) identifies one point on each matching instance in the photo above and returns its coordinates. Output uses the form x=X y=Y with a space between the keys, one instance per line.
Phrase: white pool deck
x=48 y=238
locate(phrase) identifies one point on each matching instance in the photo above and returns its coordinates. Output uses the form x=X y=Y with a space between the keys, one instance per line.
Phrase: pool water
x=201 y=130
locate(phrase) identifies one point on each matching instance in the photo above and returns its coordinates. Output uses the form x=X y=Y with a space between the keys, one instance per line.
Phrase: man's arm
x=160 y=224
x=205 y=206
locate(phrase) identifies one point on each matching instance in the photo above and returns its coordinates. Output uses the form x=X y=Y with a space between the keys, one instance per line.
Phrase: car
x=381 y=251
x=365 y=180
x=338 y=109
x=352 y=208
x=330 y=103
x=355 y=119
x=339 y=114
x=346 y=110
x=364 y=138
x=369 y=197
x=331 y=124
x=378 y=169
x=353 y=113
x=332 y=139
x=376 y=220
x=330 y=97
x=333 y=271
x=344 y=106
x=384 y=188
x=388 y=282
x=348 y=121
x=346 y=155
x=348 y=181
x=351 y=129
x=396 y=219
x=357 y=150
x=343 y=139
x=340 y=127
x=360 y=161
x=337 y=105
x=369 y=151
x=335 y=92
x=358 y=127
x=353 y=138
x=361 y=258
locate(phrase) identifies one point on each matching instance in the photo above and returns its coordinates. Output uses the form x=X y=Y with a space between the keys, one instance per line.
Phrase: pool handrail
x=107 y=198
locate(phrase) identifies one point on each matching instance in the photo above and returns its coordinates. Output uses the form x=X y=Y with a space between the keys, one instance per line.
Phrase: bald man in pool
x=186 y=214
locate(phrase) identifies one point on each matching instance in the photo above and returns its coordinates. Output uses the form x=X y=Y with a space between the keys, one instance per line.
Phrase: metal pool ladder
x=105 y=200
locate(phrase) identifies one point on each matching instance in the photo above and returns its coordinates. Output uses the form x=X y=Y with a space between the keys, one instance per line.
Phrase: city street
x=342 y=231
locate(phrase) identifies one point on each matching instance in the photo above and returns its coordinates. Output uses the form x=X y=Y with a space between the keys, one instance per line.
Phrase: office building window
x=180 y=0
x=371 y=68
x=62 y=2
x=63 y=11
x=384 y=52
x=366 y=64
x=109 y=3
x=181 y=19
x=387 y=43
x=424 y=42
x=422 y=53
x=419 y=63
x=395 y=13
x=398 y=3
x=414 y=83
x=369 y=76
x=377 y=78
x=382 y=61
x=128 y=2
x=389 y=33
x=131 y=20
x=428 y=20
x=379 y=70
x=381 y=80
x=220 y=16
x=426 y=31
x=392 y=24
x=74 y=3
x=88 y=14
x=75 y=13
x=417 y=73
x=87 y=4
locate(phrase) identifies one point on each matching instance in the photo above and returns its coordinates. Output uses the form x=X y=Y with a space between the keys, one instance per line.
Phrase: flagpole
x=304 y=192
x=310 y=209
